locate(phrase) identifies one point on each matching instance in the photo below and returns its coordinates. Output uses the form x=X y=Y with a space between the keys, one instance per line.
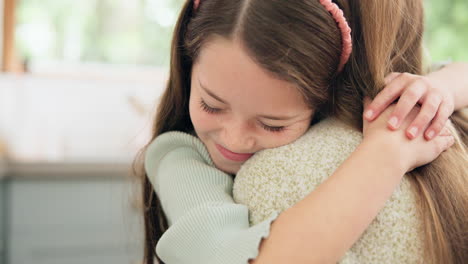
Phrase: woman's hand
x=410 y=153
x=437 y=104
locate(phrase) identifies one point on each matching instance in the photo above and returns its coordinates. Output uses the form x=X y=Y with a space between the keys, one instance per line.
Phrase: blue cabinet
x=2 y=222
x=73 y=217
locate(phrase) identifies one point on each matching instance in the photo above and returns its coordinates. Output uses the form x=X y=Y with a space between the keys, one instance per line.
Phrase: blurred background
x=78 y=88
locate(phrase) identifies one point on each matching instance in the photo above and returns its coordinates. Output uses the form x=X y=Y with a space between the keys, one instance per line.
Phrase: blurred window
x=447 y=29
x=54 y=33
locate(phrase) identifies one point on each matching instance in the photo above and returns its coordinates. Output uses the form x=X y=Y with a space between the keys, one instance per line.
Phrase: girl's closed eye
x=272 y=128
x=212 y=110
x=208 y=109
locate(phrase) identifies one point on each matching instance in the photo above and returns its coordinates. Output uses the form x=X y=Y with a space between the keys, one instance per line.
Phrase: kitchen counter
x=63 y=169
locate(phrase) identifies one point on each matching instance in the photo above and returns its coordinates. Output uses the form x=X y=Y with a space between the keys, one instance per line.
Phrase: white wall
x=54 y=119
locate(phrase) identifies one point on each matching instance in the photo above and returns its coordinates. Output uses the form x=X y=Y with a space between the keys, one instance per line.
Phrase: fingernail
x=413 y=131
x=430 y=134
x=369 y=114
x=393 y=122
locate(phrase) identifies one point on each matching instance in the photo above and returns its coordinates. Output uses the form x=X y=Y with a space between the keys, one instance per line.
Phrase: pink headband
x=338 y=15
x=196 y=3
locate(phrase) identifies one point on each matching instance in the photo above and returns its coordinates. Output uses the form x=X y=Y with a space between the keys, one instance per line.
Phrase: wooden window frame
x=9 y=61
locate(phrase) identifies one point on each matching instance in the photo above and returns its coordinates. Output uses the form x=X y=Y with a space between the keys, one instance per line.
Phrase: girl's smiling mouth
x=239 y=157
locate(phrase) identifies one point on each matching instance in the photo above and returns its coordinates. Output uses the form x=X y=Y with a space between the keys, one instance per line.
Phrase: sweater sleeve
x=205 y=224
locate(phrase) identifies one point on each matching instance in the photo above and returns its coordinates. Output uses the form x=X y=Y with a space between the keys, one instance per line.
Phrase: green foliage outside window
x=105 y=31
x=447 y=29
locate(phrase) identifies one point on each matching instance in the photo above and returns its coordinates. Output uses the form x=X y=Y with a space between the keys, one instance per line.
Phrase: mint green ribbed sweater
x=205 y=224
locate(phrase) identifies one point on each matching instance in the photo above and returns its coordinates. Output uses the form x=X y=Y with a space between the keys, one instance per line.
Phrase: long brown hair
x=298 y=41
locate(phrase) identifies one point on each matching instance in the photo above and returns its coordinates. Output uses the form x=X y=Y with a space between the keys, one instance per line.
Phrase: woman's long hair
x=298 y=41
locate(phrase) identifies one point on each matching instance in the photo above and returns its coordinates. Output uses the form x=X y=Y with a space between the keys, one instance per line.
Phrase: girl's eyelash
x=208 y=109
x=212 y=110
x=272 y=129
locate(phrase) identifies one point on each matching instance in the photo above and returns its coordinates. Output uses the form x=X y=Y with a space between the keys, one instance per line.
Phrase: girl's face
x=237 y=108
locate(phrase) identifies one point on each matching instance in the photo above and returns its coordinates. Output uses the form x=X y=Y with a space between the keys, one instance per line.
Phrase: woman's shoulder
x=332 y=130
x=293 y=170
x=330 y=140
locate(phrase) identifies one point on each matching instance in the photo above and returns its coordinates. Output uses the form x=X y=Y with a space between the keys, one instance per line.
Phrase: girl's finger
x=443 y=143
x=367 y=101
x=386 y=97
x=440 y=144
x=444 y=112
x=407 y=101
x=428 y=111
x=389 y=78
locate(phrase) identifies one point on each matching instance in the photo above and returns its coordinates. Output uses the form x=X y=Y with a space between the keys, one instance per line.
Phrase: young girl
x=253 y=75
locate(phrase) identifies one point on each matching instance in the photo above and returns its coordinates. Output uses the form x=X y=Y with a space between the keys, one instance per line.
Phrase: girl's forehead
x=226 y=71
x=226 y=61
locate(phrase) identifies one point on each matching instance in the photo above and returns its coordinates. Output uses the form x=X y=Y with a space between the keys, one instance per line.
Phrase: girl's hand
x=410 y=154
x=437 y=104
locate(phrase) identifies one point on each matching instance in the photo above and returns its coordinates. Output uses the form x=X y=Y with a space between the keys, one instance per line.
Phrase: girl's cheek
x=203 y=121
x=290 y=136
x=195 y=114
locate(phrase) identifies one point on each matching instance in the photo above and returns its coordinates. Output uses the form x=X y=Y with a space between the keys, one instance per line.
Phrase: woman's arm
x=453 y=77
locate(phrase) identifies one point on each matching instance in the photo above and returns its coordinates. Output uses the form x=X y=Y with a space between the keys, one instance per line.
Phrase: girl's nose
x=238 y=137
